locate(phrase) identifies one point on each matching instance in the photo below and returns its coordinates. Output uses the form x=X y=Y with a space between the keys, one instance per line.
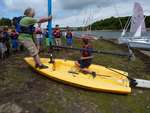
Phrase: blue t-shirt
x=69 y=35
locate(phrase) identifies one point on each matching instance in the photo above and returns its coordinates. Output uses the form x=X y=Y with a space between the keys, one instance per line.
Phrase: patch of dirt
x=10 y=108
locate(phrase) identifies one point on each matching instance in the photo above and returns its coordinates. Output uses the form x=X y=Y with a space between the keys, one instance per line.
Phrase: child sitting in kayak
x=86 y=58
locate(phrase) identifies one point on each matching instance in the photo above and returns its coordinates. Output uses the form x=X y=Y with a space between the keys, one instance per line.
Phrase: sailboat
x=88 y=27
x=136 y=38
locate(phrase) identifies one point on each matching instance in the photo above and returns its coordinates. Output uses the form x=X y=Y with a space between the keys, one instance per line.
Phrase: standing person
x=86 y=58
x=14 y=40
x=69 y=37
x=3 y=48
x=15 y=22
x=39 y=37
x=57 y=35
x=6 y=40
x=26 y=34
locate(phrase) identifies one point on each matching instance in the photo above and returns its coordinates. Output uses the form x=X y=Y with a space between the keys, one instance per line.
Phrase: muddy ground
x=24 y=91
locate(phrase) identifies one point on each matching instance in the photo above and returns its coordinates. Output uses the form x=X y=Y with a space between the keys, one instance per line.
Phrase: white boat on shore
x=136 y=39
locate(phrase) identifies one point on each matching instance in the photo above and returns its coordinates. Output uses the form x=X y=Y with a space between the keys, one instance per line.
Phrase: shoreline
x=148 y=29
x=100 y=30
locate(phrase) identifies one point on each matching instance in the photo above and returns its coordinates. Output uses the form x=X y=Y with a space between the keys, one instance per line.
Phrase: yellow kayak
x=107 y=80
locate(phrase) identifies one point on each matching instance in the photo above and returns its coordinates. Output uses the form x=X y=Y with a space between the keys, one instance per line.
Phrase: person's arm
x=85 y=58
x=43 y=20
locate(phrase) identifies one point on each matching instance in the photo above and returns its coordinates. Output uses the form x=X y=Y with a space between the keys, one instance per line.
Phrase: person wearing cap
x=26 y=34
x=86 y=58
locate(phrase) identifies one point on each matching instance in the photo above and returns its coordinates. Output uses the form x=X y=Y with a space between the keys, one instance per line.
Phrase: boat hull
x=107 y=80
x=141 y=43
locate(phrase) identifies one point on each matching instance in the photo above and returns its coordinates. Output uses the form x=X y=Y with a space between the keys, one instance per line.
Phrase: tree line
x=5 y=22
x=113 y=23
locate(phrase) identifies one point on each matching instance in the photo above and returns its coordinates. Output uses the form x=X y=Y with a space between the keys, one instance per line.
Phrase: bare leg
x=85 y=71
x=37 y=59
x=77 y=64
x=38 y=62
x=38 y=47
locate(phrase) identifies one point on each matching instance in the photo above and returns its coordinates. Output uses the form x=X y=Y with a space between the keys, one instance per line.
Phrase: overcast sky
x=73 y=12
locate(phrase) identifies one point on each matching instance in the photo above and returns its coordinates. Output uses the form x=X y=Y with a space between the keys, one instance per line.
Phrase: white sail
x=138 y=19
x=138 y=33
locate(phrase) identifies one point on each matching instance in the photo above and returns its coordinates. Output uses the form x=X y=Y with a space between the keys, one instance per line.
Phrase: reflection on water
x=107 y=34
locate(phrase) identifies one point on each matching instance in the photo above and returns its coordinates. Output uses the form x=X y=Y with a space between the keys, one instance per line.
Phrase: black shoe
x=51 y=62
x=36 y=65
x=41 y=66
x=94 y=74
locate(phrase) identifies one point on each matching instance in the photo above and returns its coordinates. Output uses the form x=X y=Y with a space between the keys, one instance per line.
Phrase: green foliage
x=5 y=22
x=114 y=24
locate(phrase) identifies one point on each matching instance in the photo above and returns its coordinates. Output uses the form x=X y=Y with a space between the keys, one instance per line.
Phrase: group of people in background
x=9 y=39
x=57 y=34
x=25 y=34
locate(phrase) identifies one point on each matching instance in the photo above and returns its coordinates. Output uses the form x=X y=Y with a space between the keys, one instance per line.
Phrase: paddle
x=73 y=72
x=128 y=54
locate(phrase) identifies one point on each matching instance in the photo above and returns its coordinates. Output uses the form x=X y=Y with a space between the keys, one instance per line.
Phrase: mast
x=50 y=22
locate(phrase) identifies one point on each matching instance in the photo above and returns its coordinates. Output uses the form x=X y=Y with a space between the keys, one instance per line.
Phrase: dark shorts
x=85 y=63
x=69 y=41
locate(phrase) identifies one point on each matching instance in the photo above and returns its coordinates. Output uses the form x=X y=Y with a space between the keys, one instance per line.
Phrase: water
x=106 y=34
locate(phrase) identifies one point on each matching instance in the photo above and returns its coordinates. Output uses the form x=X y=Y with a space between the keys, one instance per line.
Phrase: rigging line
x=84 y=12
x=89 y=23
x=130 y=19
x=85 y=21
x=92 y=19
x=86 y=24
x=115 y=7
x=89 y=20
x=127 y=23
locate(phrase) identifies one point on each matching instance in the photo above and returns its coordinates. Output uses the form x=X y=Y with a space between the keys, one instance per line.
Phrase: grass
x=37 y=94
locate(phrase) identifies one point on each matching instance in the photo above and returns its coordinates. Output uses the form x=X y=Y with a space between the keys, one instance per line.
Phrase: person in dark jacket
x=6 y=40
x=3 y=48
